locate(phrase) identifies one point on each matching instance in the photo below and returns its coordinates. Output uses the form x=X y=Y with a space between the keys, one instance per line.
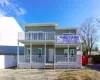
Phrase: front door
x=51 y=53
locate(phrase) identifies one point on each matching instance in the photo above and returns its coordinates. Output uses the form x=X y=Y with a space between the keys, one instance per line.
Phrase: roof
x=48 y=25
x=40 y=24
x=68 y=28
x=11 y=50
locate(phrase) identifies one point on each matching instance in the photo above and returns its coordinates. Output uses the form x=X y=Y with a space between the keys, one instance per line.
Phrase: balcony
x=33 y=36
x=49 y=36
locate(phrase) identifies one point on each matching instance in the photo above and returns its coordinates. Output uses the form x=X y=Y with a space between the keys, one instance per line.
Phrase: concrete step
x=49 y=66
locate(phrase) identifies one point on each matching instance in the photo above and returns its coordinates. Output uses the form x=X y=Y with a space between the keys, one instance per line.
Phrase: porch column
x=18 y=54
x=30 y=54
x=68 y=56
x=45 y=48
x=54 y=55
x=81 y=55
x=54 y=49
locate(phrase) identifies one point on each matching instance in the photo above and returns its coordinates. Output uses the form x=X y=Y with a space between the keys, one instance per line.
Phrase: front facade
x=46 y=46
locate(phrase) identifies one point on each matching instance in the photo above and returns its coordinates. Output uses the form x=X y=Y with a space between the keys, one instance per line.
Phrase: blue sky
x=66 y=13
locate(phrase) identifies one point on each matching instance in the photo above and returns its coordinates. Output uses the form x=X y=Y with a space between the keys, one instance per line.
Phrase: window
x=72 y=52
x=66 y=52
x=39 y=52
x=28 y=51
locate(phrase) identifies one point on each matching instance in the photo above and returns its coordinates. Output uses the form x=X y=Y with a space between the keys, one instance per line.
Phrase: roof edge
x=72 y=28
x=40 y=24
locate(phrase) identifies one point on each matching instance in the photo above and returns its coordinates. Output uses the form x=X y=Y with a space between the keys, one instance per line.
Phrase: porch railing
x=64 y=58
x=35 y=59
x=38 y=59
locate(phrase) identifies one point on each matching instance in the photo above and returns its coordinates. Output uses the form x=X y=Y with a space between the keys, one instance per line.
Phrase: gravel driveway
x=29 y=74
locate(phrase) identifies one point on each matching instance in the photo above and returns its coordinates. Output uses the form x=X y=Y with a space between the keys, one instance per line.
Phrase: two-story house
x=47 y=46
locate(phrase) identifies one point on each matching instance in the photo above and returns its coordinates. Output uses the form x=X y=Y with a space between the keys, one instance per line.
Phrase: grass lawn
x=81 y=74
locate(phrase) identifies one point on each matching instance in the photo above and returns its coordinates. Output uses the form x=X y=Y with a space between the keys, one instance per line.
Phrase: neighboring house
x=8 y=56
x=47 y=46
x=9 y=29
x=94 y=53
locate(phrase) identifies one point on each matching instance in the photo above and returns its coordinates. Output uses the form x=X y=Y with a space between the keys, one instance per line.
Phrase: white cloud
x=21 y=11
x=10 y=7
x=4 y=2
x=2 y=13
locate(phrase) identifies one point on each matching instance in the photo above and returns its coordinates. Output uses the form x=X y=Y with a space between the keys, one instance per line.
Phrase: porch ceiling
x=63 y=46
x=37 y=43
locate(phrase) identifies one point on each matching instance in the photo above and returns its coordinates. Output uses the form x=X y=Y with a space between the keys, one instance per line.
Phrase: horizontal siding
x=60 y=51
x=60 y=32
x=41 y=28
x=49 y=29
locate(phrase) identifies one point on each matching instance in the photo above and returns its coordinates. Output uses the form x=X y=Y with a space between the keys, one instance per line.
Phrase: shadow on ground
x=93 y=67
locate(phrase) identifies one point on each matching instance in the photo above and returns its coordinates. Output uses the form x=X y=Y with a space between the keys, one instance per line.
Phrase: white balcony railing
x=42 y=36
x=36 y=36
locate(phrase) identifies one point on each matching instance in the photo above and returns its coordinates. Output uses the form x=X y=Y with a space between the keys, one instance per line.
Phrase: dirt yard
x=29 y=74
x=41 y=74
x=82 y=74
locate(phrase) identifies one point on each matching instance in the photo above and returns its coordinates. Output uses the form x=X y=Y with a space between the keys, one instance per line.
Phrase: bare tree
x=88 y=32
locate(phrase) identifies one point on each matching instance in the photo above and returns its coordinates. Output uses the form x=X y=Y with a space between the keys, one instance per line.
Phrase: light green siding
x=35 y=49
x=40 y=28
x=49 y=29
x=60 y=51
x=60 y=32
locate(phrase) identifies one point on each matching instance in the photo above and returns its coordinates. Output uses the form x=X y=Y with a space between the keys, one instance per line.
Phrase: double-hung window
x=72 y=52
x=66 y=52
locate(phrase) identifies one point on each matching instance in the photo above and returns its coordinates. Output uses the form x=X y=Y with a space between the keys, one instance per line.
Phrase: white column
x=54 y=55
x=54 y=50
x=68 y=56
x=81 y=55
x=18 y=54
x=30 y=54
x=45 y=47
x=30 y=51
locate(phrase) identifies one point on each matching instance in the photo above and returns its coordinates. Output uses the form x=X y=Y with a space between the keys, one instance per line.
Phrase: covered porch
x=60 y=55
